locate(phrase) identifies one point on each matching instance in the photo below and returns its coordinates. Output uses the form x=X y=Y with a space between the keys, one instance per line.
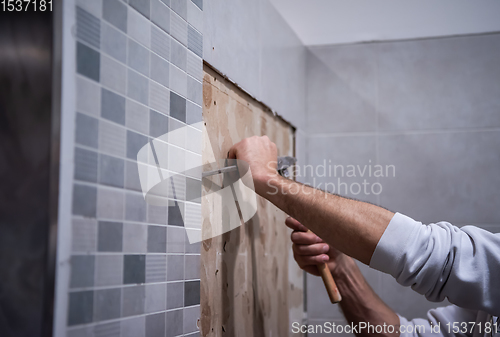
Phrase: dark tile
x=135 y=142
x=157 y=239
x=88 y=28
x=112 y=329
x=80 y=307
x=82 y=271
x=198 y=3
x=114 y=42
x=177 y=107
x=134 y=269
x=175 y=267
x=191 y=293
x=115 y=12
x=107 y=304
x=160 y=14
x=138 y=57
x=111 y=170
x=155 y=325
x=87 y=129
x=113 y=106
x=175 y=295
x=160 y=70
x=193 y=190
x=84 y=200
x=195 y=41
x=174 y=323
x=87 y=61
x=158 y=124
x=175 y=213
x=142 y=6
x=85 y=165
x=110 y=236
x=133 y=300
x=135 y=207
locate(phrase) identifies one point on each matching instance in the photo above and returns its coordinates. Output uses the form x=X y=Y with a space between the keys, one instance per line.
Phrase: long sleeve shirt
x=443 y=261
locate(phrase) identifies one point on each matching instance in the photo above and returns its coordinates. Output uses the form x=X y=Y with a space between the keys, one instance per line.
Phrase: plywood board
x=249 y=287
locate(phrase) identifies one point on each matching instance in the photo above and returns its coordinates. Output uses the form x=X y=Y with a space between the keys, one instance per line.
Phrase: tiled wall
x=138 y=76
x=429 y=107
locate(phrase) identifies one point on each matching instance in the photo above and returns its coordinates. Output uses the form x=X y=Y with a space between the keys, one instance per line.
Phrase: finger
x=314 y=249
x=295 y=225
x=304 y=238
x=233 y=152
x=304 y=261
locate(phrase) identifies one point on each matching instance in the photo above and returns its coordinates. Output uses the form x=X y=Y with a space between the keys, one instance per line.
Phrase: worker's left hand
x=261 y=155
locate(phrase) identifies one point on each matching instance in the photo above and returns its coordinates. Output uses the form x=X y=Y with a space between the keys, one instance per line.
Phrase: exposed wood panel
x=248 y=286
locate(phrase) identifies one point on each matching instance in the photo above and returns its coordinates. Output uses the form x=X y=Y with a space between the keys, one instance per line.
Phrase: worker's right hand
x=309 y=250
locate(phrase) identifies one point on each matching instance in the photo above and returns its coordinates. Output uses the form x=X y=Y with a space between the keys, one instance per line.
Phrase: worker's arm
x=351 y=226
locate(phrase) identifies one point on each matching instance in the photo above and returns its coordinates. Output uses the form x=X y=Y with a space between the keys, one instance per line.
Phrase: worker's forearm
x=359 y=302
x=351 y=226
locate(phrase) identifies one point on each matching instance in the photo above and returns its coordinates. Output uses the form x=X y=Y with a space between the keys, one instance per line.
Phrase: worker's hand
x=309 y=250
x=261 y=155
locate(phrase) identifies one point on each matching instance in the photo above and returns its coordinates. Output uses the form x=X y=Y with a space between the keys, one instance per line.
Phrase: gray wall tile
x=114 y=43
x=135 y=238
x=194 y=66
x=108 y=270
x=115 y=12
x=134 y=269
x=138 y=57
x=80 y=307
x=157 y=214
x=133 y=300
x=137 y=117
x=156 y=268
x=111 y=170
x=156 y=296
x=137 y=87
x=107 y=304
x=175 y=213
x=132 y=180
x=84 y=235
x=194 y=140
x=159 y=98
x=107 y=329
x=85 y=165
x=113 y=106
x=88 y=28
x=194 y=90
x=110 y=236
x=143 y=6
x=88 y=99
x=160 y=42
x=177 y=187
x=175 y=239
x=192 y=248
x=160 y=14
x=158 y=124
x=135 y=207
x=84 y=200
x=176 y=159
x=175 y=295
x=180 y=7
x=111 y=139
x=192 y=219
x=87 y=61
x=195 y=41
x=193 y=113
x=92 y=6
x=178 y=81
x=157 y=239
x=198 y=3
x=135 y=142
x=87 y=331
x=191 y=293
x=113 y=74
x=191 y=267
x=160 y=70
x=155 y=325
x=110 y=203
x=178 y=28
x=82 y=271
x=174 y=323
x=175 y=267
x=134 y=327
x=190 y=317
x=160 y=149
x=177 y=129
x=195 y=16
x=86 y=130
x=177 y=107
x=138 y=27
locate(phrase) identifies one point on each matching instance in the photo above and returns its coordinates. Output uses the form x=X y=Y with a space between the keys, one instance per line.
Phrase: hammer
x=283 y=164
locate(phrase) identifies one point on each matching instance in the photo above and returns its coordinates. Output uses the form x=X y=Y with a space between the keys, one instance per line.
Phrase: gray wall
x=429 y=107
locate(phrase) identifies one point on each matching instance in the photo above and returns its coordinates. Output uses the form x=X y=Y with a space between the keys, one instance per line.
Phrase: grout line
x=404 y=132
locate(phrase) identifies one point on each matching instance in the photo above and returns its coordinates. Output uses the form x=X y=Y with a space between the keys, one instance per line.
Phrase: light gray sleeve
x=436 y=323
x=443 y=261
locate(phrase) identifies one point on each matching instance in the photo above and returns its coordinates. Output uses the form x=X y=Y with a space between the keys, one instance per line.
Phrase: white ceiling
x=319 y=22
